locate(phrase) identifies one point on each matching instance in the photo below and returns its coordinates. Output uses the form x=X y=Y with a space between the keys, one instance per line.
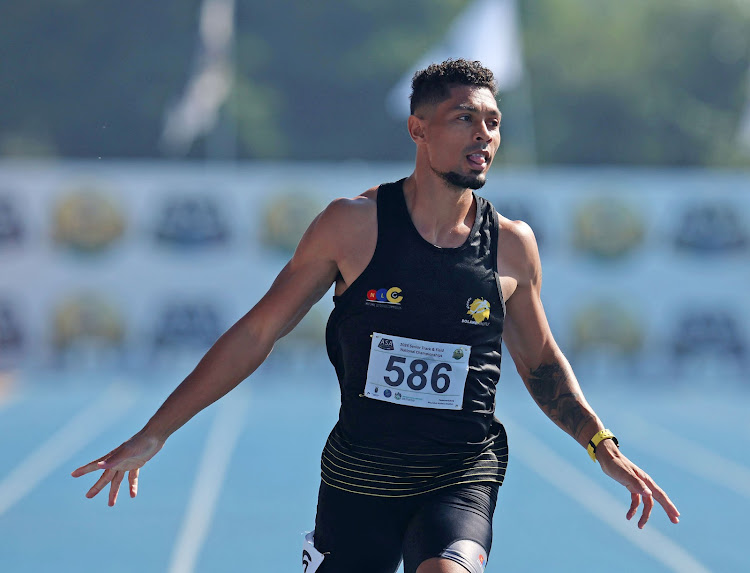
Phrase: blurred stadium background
x=159 y=162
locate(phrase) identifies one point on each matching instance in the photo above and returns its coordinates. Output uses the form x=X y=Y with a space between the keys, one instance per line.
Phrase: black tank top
x=428 y=298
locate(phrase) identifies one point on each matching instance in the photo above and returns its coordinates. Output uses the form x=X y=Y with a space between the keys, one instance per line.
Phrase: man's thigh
x=455 y=526
x=358 y=532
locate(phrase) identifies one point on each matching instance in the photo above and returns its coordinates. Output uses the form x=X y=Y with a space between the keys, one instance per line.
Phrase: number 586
x=419 y=374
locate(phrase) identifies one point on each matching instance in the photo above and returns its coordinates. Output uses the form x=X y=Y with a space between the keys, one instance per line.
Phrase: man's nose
x=483 y=134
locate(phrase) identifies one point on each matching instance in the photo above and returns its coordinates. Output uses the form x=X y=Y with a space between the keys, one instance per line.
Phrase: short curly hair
x=432 y=85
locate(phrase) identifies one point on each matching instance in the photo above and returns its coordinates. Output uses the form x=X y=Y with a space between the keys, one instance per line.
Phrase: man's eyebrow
x=473 y=109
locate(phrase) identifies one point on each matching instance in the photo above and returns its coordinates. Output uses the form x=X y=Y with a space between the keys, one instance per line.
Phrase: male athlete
x=428 y=280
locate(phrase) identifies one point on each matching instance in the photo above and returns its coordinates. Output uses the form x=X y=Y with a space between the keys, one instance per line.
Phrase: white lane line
x=691 y=456
x=730 y=412
x=217 y=453
x=64 y=444
x=597 y=501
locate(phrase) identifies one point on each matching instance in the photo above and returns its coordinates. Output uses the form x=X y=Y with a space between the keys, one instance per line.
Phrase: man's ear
x=416 y=128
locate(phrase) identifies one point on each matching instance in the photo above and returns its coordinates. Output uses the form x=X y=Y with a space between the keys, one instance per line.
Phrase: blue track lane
x=267 y=499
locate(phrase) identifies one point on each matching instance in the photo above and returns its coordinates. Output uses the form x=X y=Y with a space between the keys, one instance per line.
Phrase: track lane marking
x=90 y=422
x=550 y=466
x=730 y=411
x=217 y=454
x=691 y=456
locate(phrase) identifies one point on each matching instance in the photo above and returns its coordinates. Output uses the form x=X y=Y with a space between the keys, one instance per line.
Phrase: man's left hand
x=639 y=483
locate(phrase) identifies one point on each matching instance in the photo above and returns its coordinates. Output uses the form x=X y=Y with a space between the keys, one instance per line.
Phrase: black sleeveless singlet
x=423 y=294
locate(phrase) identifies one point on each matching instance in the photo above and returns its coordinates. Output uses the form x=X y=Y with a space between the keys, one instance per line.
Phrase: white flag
x=488 y=31
x=197 y=111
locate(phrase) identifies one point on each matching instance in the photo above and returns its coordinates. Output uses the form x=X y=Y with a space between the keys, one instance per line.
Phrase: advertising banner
x=142 y=265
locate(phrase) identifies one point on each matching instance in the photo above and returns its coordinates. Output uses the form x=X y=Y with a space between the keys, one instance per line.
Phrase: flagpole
x=528 y=120
x=202 y=110
x=222 y=140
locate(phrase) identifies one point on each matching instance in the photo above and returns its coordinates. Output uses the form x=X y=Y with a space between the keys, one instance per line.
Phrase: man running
x=429 y=279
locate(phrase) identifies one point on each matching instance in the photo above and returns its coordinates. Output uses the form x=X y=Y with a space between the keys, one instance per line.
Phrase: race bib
x=311 y=557
x=417 y=372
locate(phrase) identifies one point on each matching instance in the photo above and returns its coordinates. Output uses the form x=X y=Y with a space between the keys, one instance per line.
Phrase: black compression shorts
x=370 y=534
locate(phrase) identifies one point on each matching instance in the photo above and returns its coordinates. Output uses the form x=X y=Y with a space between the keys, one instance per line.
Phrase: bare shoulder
x=518 y=252
x=346 y=231
x=348 y=218
x=517 y=234
x=347 y=213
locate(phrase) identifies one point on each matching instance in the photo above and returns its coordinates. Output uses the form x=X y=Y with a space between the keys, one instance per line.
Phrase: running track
x=235 y=488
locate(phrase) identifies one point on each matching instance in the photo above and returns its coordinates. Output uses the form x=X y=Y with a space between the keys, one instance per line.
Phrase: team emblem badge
x=479 y=309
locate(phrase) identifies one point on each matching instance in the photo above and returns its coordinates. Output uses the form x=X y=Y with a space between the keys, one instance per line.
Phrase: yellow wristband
x=597 y=439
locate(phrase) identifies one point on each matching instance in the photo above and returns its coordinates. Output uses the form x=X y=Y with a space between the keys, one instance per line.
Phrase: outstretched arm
x=549 y=377
x=237 y=353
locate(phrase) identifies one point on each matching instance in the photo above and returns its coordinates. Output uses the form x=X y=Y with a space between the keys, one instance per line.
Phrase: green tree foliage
x=638 y=82
x=87 y=78
x=633 y=82
x=325 y=68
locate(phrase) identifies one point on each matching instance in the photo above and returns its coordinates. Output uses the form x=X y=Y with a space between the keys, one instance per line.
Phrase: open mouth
x=478 y=160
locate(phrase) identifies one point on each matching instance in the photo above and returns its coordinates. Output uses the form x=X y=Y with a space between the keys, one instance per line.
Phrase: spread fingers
x=105 y=478
x=114 y=487
x=133 y=481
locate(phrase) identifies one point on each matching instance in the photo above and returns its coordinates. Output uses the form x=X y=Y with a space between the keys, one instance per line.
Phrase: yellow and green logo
x=479 y=309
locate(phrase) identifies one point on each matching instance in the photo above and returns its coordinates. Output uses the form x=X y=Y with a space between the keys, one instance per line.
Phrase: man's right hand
x=129 y=457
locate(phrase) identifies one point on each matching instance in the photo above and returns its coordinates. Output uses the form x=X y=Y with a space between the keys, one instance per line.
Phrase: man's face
x=462 y=135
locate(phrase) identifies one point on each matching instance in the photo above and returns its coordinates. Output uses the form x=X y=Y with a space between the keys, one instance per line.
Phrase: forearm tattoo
x=547 y=385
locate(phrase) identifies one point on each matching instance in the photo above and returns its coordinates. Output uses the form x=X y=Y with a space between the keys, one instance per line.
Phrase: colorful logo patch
x=479 y=309
x=385 y=296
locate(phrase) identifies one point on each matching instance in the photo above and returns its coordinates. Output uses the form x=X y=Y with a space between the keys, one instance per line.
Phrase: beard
x=462 y=181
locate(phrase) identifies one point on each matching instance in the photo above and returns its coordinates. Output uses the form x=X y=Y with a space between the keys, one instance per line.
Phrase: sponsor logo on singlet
x=386 y=344
x=387 y=297
x=479 y=310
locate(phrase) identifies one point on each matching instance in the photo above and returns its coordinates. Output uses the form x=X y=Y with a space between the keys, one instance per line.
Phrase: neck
x=443 y=214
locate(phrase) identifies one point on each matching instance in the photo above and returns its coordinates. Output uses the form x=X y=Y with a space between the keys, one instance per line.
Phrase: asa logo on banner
x=194 y=324
x=709 y=332
x=11 y=226
x=191 y=222
x=11 y=337
x=715 y=227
